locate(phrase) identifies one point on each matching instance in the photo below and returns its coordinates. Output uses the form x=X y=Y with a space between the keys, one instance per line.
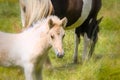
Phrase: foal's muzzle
x=60 y=55
x=59 y=52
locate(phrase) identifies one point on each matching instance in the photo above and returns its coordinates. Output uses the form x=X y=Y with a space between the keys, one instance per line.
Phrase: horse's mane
x=33 y=10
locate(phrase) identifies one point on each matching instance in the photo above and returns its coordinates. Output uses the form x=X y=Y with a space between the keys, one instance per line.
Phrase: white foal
x=29 y=48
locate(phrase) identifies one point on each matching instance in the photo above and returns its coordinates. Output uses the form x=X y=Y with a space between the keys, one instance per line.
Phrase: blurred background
x=105 y=63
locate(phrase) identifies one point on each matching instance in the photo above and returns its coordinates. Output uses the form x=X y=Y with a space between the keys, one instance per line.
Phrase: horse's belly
x=87 y=5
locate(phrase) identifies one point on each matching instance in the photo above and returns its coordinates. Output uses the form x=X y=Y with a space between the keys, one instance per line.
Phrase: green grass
x=9 y=16
x=105 y=64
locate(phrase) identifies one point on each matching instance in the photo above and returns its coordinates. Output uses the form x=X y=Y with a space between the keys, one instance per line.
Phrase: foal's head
x=56 y=34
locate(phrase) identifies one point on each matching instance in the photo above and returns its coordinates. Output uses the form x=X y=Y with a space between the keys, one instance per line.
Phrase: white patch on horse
x=87 y=5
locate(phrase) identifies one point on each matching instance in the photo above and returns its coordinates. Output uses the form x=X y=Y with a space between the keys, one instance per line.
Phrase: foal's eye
x=63 y=35
x=52 y=36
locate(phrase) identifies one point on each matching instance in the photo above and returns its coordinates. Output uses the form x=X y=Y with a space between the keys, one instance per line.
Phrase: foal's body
x=29 y=48
x=26 y=43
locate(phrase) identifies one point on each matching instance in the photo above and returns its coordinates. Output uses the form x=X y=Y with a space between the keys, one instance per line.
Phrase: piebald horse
x=81 y=15
x=29 y=49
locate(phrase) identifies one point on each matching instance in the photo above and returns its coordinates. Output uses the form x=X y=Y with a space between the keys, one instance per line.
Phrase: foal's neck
x=37 y=35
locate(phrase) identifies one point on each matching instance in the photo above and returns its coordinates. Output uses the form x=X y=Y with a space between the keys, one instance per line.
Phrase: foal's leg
x=48 y=63
x=38 y=74
x=38 y=69
x=77 y=41
x=29 y=71
x=33 y=72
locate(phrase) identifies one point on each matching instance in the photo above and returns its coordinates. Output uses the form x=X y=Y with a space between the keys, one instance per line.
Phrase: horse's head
x=56 y=34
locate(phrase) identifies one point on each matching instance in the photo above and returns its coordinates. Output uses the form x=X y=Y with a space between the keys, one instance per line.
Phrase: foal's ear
x=64 y=22
x=50 y=23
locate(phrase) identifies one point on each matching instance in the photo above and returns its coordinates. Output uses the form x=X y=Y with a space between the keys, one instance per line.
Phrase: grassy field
x=105 y=63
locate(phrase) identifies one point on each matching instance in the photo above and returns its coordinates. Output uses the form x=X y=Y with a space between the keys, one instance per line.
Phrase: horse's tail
x=33 y=10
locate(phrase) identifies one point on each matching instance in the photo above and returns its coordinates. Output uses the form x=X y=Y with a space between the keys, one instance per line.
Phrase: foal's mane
x=43 y=23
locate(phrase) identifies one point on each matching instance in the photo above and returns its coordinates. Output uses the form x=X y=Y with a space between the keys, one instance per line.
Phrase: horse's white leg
x=29 y=71
x=86 y=48
x=77 y=41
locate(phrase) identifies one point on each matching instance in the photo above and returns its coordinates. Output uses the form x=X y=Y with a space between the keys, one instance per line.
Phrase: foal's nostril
x=60 y=55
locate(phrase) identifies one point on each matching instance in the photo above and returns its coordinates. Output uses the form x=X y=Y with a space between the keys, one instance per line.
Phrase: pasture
x=105 y=63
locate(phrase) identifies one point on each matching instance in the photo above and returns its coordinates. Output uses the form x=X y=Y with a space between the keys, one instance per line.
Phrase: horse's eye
x=52 y=36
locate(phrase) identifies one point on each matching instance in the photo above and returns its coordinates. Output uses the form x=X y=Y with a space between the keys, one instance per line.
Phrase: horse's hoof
x=75 y=61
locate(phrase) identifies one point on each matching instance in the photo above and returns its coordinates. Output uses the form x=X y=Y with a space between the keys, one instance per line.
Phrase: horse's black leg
x=92 y=46
x=76 y=43
x=94 y=35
